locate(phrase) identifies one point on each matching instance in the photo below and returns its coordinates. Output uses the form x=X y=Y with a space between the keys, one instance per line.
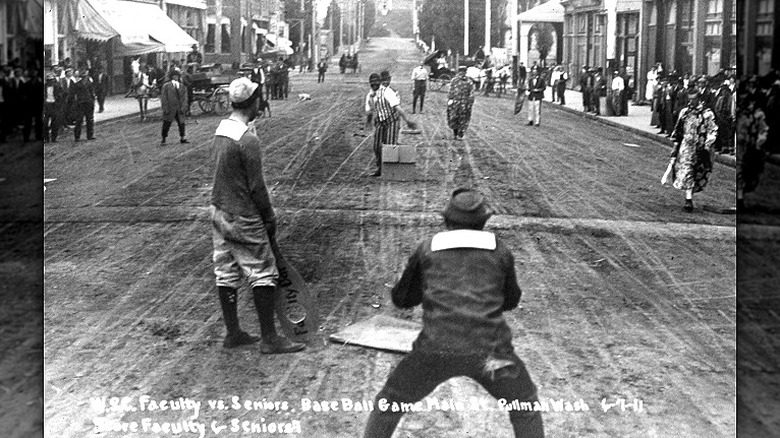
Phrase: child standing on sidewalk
x=465 y=278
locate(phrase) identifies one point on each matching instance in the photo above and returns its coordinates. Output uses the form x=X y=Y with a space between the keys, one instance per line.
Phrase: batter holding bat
x=244 y=223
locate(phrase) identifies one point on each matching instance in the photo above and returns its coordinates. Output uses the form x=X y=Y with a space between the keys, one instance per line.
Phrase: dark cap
x=374 y=78
x=385 y=75
x=467 y=207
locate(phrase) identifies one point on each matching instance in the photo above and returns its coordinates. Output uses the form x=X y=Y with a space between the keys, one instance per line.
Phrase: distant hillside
x=396 y=20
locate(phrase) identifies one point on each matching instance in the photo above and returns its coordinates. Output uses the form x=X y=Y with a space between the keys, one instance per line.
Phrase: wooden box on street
x=398 y=162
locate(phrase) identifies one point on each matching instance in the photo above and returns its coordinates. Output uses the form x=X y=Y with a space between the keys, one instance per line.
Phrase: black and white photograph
x=389 y=218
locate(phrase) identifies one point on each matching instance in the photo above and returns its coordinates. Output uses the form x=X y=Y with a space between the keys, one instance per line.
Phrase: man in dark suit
x=599 y=90
x=522 y=74
x=585 y=88
x=536 y=86
x=173 y=99
x=32 y=106
x=101 y=86
x=54 y=102
x=83 y=95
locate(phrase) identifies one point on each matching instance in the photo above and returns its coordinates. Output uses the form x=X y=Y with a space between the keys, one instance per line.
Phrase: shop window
x=713 y=29
x=190 y=19
x=225 y=46
x=211 y=30
x=714 y=7
x=766 y=6
x=671 y=16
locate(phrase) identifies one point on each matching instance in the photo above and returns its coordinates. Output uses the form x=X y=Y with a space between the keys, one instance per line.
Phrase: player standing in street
x=464 y=278
x=420 y=81
x=244 y=223
x=173 y=99
x=536 y=88
x=386 y=111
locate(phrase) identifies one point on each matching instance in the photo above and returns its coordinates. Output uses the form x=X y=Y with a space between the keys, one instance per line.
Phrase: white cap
x=241 y=89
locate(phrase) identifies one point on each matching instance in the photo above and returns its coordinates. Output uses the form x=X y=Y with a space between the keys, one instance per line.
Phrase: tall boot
x=264 y=297
x=228 y=299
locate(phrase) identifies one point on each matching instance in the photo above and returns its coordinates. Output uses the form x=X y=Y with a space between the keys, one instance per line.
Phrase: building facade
x=237 y=31
x=687 y=36
x=757 y=22
x=21 y=31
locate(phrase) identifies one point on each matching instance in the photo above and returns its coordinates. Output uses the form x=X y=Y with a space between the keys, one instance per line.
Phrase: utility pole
x=314 y=34
x=465 y=27
x=487 y=28
x=341 y=26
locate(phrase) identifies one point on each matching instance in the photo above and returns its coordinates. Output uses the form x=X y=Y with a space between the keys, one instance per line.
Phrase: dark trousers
x=5 y=121
x=167 y=126
x=595 y=103
x=32 y=117
x=101 y=99
x=562 y=92
x=52 y=118
x=418 y=374
x=321 y=76
x=586 y=101
x=84 y=110
x=418 y=92
x=384 y=133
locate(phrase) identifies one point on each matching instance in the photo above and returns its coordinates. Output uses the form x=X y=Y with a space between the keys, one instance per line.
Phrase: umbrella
x=433 y=55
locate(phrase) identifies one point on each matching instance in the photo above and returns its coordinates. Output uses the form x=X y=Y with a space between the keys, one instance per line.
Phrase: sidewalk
x=119 y=107
x=637 y=121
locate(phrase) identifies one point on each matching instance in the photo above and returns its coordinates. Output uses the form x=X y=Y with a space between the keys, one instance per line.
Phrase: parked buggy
x=210 y=89
x=439 y=77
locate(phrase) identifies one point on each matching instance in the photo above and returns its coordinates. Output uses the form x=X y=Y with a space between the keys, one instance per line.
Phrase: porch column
x=525 y=29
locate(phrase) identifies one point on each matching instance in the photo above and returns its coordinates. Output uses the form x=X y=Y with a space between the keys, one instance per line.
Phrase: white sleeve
x=391 y=97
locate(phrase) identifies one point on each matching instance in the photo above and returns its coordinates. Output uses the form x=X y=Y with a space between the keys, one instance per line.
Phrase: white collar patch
x=463 y=239
x=232 y=129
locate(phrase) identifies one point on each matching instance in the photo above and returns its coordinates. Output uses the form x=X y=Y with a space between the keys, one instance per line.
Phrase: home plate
x=631 y=145
x=381 y=332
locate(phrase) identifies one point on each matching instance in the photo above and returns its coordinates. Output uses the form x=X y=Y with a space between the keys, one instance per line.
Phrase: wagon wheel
x=206 y=105
x=221 y=102
x=444 y=81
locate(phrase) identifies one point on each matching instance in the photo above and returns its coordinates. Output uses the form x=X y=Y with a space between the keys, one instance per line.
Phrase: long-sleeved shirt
x=420 y=73
x=464 y=279
x=239 y=185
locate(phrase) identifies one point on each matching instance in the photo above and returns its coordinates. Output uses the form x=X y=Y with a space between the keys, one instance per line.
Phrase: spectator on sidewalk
x=586 y=88
x=465 y=279
x=555 y=76
x=84 y=104
x=599 y=94
x=173 y=101
x=522 y=74
x=652 y=81
x=101 y=87
x=561 y=90
x=616 y=94
x=52 y=108
x=752 y=133
x=32 y=106
x=536 y=88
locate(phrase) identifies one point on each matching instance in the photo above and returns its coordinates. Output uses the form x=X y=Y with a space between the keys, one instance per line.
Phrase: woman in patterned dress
x=459 y=103
x=751 y=135
x=694 y=134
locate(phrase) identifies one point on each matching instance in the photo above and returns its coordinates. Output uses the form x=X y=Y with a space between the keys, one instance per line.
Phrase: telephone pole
x=465 y=27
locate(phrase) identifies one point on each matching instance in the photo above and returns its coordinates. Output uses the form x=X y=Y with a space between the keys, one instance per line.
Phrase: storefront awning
x=549 y=12
x=195 y=4
x=141 y=27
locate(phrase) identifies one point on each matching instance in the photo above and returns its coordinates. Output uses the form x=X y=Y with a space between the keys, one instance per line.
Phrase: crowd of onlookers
x=20 y=102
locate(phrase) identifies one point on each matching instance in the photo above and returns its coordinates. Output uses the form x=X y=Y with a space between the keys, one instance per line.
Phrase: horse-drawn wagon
x=440 y=76
x=210 y=89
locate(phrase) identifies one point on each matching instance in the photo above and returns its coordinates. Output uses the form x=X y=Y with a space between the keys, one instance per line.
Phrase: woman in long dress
x=751 y=135
x=459 y=103
x=691 y=159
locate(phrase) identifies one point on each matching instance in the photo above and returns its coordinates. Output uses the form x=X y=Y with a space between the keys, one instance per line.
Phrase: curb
x=728 y=160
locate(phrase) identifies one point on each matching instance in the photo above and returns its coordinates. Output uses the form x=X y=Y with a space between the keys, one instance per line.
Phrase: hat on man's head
x=467 y=207
x=462 y=68
x=374 y=78
x=241 y=90
x=385 y=75
x=175 y=72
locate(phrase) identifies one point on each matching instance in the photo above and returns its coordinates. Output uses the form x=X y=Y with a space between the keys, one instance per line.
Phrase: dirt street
x=625 y=296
